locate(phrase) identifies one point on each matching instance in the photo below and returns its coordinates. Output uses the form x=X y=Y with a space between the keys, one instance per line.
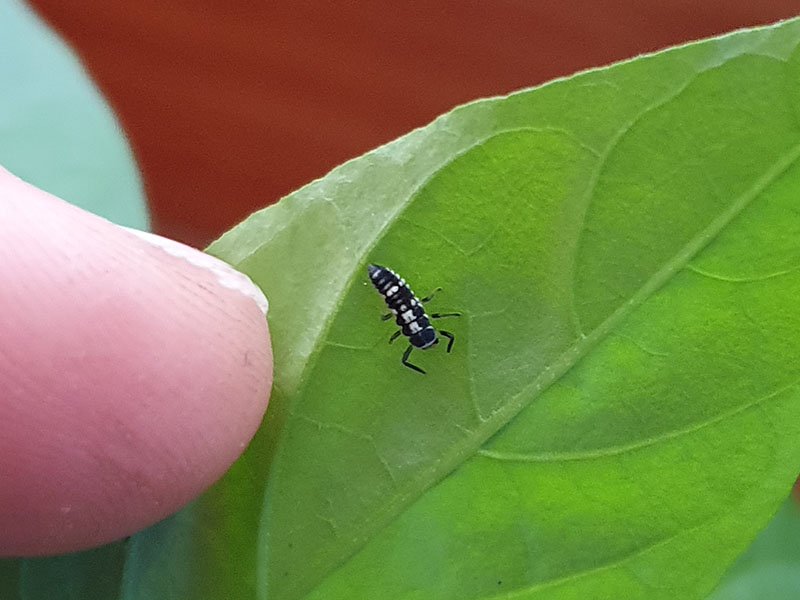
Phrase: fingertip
x=131 y=376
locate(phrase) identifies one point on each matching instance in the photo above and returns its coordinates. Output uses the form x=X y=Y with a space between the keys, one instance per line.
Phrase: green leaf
x=620 y=414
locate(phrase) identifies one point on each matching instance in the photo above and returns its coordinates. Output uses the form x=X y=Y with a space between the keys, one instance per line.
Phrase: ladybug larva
x=408 y=313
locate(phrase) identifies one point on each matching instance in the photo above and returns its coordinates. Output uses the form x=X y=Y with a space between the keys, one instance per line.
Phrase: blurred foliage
x=56 y=130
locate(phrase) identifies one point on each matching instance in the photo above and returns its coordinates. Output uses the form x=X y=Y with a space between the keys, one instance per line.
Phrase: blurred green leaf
x=95 y=573
x=56 y=131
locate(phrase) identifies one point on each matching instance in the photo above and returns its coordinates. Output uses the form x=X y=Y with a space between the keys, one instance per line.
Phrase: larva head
x=424 y=339
x=374 y=271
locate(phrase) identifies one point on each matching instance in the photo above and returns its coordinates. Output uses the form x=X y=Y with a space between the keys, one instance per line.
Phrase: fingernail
x=225 y=274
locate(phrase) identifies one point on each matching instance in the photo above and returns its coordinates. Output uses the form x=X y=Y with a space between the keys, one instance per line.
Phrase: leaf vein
x=597 y=453
x=729 y=279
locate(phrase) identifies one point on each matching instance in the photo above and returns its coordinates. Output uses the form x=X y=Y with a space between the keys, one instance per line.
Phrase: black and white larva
x=408 y=313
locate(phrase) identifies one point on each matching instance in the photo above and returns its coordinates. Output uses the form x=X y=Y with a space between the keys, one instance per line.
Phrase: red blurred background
x=230 y=105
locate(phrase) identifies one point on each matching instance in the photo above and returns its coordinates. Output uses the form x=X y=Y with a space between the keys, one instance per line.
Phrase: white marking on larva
x=414 y=327
x=392 y=291
x=403 y=307
x=413 y=302
x=394 y=311
x=408 y=316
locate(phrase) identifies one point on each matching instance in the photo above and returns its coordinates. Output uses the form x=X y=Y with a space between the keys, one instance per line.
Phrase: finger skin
x=130 y=379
